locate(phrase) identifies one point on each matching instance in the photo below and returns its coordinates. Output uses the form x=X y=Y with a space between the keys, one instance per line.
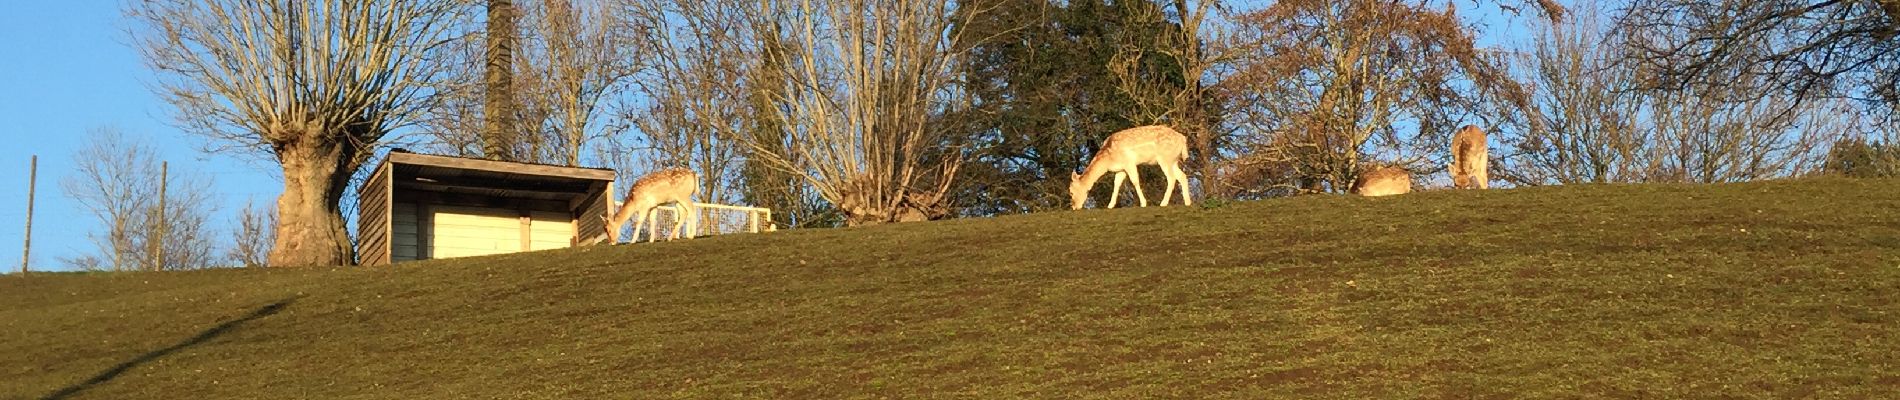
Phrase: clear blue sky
x=66 y=67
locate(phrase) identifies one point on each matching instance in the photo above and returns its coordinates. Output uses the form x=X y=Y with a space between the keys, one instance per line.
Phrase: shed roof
x=494 y=178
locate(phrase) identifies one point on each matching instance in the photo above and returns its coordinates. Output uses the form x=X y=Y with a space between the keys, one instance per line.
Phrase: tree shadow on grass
x=114 y=372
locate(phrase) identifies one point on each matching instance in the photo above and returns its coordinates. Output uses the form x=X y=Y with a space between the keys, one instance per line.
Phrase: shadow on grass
x=114 y=372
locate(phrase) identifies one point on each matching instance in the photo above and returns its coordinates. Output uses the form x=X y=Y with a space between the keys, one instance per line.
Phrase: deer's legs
x=1484 y=173
x=1134 y=177
x=1168 y=193
x=1115 y=194
x=687 y=209
x=1176 y=178
x=679 y=218
x=638 y=220
x=653 y=226
x=1181 y=176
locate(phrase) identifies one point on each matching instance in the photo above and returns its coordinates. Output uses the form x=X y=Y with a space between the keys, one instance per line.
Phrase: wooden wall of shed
x=407 y=236
x=372 y=218
x=589 y=226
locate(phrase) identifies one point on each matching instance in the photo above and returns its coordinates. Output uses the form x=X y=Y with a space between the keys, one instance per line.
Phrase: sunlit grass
x=1781 y=289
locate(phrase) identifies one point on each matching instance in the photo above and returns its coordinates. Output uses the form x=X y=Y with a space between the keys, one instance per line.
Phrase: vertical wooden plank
x=527 y=228
x=425 y=231
x=607 y=198
x=389 y=214
x=375 y=217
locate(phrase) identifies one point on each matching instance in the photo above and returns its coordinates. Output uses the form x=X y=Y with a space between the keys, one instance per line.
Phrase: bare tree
x=579 y=65
x=253 y=236
x=695 y=110
x=1605 y=125
x=567 y=64
x=1587 y=100
x=1333 y=82
x=1804 y=49
x=117 y=180
x=453 y=122
x=863 y=80
x=1712 y=133
x=314 y=84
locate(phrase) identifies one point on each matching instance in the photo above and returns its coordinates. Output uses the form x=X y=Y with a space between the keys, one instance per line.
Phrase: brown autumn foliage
x=1329 y=85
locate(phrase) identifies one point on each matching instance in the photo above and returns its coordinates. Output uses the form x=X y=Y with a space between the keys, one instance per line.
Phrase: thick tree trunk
x=500 y=139
x=310 y=225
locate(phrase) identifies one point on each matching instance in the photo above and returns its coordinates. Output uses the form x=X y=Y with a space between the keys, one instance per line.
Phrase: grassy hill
x=1787 y=289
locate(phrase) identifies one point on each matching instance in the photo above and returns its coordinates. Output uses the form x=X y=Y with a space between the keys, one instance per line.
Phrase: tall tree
x=580 y=66
x=792 y=202
x=693 y=109
x=314 y=84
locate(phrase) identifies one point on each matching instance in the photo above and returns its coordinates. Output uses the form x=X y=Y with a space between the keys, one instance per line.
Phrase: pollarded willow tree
x=313 y=84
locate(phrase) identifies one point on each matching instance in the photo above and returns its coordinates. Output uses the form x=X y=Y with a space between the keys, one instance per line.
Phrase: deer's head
x=1078 y=191
x=613 y=229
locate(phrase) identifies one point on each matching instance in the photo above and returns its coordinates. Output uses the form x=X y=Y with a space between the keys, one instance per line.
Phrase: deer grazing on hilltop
x=1123 y=152
x=671 y=186
x=1383 y=181
x=1470 y=159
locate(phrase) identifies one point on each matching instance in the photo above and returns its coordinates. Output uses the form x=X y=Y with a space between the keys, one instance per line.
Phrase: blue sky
x=66 y=67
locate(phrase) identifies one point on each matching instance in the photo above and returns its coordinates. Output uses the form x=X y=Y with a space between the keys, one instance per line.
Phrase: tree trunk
x=310 y=225
x=500 y=139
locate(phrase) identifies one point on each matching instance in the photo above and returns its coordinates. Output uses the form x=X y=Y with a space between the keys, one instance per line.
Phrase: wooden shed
x=419 y=207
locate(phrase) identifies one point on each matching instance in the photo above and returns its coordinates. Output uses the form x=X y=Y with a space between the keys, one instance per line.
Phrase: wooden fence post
x=32 y=183
x=158 y=240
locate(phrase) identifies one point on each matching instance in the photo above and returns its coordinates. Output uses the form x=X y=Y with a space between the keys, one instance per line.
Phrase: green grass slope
x=1787 y=289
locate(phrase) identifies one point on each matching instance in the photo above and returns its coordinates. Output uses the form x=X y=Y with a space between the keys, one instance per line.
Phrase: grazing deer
x=1125 y=150
x=671 y=186
x=1383 y=181
x=1470 y=159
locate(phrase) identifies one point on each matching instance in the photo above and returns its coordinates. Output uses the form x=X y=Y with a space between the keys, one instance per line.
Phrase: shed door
x=474 y=231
